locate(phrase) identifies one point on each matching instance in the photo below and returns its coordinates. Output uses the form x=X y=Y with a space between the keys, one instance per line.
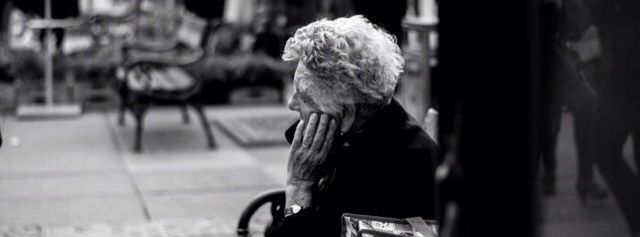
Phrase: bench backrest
x=191 y=30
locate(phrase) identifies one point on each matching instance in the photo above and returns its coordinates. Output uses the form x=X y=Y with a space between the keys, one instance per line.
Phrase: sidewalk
x=81 y=171
x=563 y=215
x=79 y=177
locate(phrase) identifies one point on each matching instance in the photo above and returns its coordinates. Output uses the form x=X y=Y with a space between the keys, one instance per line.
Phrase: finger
x=321 y=131
x=297 y=137
x=310 y=130
x=328 y=140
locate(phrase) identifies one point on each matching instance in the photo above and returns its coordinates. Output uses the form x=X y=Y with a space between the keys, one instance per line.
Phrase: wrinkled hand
x=309 y=150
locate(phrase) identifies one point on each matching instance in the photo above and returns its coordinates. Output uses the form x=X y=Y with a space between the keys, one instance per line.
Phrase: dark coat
x=561 y=82
x=387 y=170
x=617 y=22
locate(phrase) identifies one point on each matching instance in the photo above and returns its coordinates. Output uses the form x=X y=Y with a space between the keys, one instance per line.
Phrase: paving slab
x=223 y=111
x=95 y=177
x=121 y=208
x=188 y=161
x=222 y=205
x=64 y=187
x=210 y=180
x=271 y=155
x=225 y=206
x=183 y=180
x=170 y=145
x=582 y=229
x=164 y=228
x=165 y=132
x=567 y=208
x=69 y=145
x=273 y=159
x=563 y=214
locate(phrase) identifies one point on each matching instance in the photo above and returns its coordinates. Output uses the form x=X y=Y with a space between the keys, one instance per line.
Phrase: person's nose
x=293 y=104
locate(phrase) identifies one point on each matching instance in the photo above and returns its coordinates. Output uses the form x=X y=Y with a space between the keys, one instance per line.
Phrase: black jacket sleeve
x=304 y=223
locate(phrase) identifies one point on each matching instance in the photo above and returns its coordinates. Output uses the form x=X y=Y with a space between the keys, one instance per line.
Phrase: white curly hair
x=355 y=61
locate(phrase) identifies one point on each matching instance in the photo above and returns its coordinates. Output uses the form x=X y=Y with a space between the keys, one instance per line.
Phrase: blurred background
x=166 y=117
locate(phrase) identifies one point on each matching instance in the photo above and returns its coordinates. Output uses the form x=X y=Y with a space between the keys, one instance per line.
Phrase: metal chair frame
x=138 y=55
x=277 y=199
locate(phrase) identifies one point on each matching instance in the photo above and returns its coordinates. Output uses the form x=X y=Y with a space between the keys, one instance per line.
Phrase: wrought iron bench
x=153 y=73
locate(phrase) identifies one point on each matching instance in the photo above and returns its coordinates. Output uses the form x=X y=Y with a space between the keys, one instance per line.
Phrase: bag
x=354 y=225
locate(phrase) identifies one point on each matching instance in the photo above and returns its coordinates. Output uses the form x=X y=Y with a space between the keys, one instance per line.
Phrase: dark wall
x=488 y=65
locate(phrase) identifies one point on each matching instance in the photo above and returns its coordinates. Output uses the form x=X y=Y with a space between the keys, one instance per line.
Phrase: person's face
x=305 y=100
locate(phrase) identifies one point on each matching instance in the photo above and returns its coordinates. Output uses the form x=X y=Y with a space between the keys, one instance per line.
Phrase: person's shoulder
x=415 y=137
x=405 y=131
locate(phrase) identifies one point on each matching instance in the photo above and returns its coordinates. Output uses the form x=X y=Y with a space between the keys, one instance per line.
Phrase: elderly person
x=355 y=149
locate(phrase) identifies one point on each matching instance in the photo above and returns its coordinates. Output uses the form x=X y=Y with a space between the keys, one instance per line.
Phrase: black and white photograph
x=319 y=118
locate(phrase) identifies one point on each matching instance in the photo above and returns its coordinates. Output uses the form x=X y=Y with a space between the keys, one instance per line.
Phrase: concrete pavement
x=563 y=215
x=81 y=171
